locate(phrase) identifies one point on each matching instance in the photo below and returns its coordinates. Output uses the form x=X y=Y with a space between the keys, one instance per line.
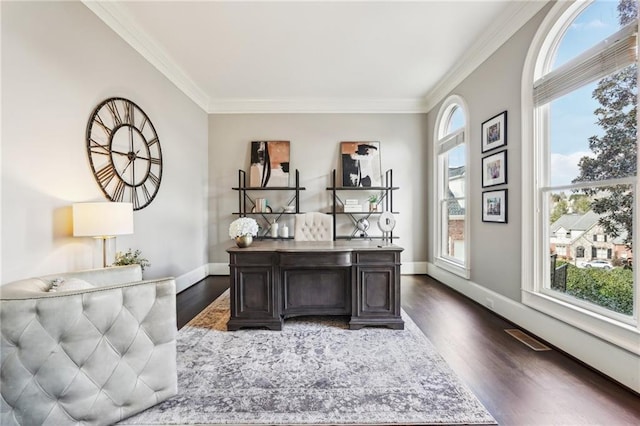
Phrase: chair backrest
x=313 y=226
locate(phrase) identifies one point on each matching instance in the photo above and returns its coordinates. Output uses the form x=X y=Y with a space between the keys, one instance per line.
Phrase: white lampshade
x=104 y=219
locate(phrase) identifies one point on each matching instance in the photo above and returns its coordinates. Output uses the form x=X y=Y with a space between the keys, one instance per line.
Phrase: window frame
x=535 y=164
x=444 y=116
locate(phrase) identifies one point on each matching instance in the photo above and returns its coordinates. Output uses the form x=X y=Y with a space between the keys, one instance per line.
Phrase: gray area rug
x=314 y=372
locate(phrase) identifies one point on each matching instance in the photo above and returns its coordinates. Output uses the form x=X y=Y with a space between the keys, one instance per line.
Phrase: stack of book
x=352 y=206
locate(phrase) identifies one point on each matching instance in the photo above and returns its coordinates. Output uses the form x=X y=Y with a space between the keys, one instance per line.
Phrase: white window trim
x=626 y=336
x=448 y=263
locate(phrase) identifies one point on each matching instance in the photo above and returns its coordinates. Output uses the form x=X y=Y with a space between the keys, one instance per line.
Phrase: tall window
x=452 y=233
x=580 y=132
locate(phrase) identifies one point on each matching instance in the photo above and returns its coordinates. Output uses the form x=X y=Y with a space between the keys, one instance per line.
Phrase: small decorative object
x=124 y=152
x=289 y=209
x=361 y=164
x=284 y=232
x=269 y=164
x=274 y=229
x=352 y=208
x=494 y=132
x=131 y=258
x=494 y=169
x=363 y=226
x=242 y=230
x=386 y=223
x=373 y=203
x=494 y=206
x=55 y=284
x=244 y=241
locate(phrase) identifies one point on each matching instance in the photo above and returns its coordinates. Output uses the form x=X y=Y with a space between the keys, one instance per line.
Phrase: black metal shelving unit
x=247 y=202
x=384 y=203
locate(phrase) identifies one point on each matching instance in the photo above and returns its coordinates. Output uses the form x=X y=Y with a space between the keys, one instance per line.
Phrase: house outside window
x=451 y=245
x=580 y=140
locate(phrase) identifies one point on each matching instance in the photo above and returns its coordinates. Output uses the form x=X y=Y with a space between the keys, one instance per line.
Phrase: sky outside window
x=572 y=116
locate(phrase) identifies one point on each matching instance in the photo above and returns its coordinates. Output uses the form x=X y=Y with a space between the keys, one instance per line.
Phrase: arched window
x=580 y=141
x=451 y=242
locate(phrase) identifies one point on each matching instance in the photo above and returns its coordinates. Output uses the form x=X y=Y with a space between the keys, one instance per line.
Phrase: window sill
x=452 y=267
x=615 y=332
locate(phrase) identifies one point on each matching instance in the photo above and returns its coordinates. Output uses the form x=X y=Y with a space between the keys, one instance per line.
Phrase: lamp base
x=104 y=252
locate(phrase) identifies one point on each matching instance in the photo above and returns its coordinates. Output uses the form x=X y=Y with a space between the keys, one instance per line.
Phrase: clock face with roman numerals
x=124 y=151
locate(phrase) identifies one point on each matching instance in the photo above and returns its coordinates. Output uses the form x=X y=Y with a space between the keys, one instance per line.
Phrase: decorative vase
x=244 y=241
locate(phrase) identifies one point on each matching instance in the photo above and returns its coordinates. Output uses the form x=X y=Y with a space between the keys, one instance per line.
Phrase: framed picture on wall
x=269 y=164
x=361 y=165
x=494 y=169
x=494 y=206
x=494 y=132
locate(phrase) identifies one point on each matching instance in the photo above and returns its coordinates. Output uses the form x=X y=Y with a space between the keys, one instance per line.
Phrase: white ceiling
x=323 y=56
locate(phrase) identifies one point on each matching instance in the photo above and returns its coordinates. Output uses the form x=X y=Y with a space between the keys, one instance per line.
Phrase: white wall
x=58 y=62
x=315 y=146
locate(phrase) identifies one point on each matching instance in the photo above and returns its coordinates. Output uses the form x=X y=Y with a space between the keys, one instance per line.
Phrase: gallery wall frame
x=495 y=206
x=494 y=132
x=494 y=169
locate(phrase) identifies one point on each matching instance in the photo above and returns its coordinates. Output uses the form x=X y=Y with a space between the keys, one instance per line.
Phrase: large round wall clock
x=124 y=152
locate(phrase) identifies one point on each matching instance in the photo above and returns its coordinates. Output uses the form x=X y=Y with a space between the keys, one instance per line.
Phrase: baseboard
x=218 y=268
x=605 y=357
x=185 y=281
x=413 y=268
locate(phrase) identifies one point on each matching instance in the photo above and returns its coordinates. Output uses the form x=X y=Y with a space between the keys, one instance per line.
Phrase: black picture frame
x=494 y=132
x=495 y=206
x=494 y=169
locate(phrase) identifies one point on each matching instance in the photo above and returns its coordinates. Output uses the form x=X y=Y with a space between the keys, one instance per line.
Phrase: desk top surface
x=311 y=246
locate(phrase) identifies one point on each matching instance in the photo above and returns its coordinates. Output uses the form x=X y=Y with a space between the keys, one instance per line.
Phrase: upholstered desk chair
x=313 y=226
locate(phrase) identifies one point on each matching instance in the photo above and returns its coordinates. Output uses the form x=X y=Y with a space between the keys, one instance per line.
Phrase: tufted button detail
x=313 y=226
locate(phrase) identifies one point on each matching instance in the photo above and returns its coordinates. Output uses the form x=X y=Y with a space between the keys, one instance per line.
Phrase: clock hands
x=128 y=154
x=132 y=157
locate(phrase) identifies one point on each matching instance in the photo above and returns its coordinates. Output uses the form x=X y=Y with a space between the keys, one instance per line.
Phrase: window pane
x=453 y=243
x=591 y=255
x=594 y=24
x=593 y=131
x=456 y=120
x=456 y=172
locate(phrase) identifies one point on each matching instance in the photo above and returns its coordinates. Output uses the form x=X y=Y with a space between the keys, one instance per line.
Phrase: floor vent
x=523 y=337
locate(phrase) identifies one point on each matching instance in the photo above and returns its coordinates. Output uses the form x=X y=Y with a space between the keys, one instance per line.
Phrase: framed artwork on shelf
x=494 y=132
x=269 y=164
x=361 y=165
x=494 y=206
x=494 y=169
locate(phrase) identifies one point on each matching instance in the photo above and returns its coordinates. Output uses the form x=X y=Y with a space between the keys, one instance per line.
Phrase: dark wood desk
x=273 y=280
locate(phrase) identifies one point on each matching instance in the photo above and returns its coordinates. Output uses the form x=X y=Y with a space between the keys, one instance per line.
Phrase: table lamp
x=102 y=220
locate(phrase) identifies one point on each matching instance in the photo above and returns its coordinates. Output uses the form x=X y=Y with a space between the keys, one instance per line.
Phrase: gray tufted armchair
x=100 y=348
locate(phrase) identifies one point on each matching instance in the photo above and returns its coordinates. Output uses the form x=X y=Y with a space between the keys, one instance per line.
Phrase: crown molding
x=506 y=25
x=512 y=19
x=122 y=24
x=314 y=105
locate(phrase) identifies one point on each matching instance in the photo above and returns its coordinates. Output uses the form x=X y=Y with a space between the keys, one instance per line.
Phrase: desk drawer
x=377 y=257
x=252 y=259
x=314 y=259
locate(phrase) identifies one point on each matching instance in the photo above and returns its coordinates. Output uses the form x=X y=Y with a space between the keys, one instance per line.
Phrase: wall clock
x=124 y=152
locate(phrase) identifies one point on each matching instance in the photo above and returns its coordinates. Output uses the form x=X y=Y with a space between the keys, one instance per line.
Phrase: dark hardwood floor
x=518 y=386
